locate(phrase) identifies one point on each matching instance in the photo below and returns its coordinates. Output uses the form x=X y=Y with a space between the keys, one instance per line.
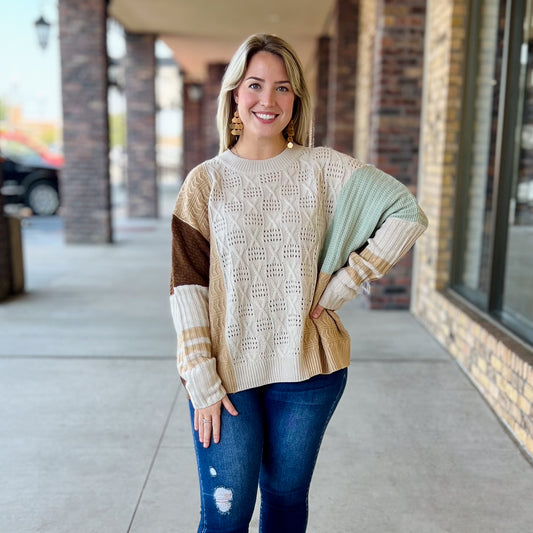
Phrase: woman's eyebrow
x=255 y=78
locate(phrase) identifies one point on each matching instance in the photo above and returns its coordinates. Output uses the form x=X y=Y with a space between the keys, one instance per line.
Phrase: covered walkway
x=94 y=433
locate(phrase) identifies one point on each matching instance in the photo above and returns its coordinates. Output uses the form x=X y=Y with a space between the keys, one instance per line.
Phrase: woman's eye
x=283 y=89
x=254 y=86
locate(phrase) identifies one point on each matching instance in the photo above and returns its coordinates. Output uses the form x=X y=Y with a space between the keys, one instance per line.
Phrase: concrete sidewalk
x=94 y=433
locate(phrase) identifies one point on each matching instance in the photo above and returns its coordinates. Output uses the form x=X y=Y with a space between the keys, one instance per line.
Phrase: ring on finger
x=206 y=420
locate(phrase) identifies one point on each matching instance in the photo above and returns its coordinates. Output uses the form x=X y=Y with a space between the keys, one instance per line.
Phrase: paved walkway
x=94 y=434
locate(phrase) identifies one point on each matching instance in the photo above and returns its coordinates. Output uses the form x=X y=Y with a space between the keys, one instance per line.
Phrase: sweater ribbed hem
x=286 y=369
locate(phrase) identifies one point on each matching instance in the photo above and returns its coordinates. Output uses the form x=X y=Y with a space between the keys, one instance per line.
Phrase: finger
x=318 y=311
x=196 y=416
x=215 y=426
x=206 y=423
x=200 y=429
x=226 y=402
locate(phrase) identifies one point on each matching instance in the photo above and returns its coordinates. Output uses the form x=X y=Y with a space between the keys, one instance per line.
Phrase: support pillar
x=193 y=137
x=141 y=125
x=322 y=91
x=215 y=72
x=395 y=119
x=343 y=70
x=85 y=187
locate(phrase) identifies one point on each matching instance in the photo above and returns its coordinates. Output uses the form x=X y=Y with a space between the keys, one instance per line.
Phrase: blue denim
x=273 y=443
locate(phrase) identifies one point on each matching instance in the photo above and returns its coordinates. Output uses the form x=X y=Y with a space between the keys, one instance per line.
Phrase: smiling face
x=264 y=99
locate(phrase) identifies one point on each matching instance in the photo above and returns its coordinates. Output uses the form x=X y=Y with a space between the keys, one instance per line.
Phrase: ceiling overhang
x=201 y=32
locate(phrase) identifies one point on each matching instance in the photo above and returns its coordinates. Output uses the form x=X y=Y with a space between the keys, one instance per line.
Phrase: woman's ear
x=235 y=96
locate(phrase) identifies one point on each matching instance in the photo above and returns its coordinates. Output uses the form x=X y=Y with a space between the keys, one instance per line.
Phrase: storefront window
x=518 y=286
x=493 y=242
x=474 y=274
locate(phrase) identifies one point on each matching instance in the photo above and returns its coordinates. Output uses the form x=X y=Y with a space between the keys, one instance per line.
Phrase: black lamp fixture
x=43 y=31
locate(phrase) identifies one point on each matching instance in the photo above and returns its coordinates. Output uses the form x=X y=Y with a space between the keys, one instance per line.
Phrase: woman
x=270 y=238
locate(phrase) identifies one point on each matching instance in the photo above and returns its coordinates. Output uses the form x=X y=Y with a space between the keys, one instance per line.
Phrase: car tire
x=42 y=198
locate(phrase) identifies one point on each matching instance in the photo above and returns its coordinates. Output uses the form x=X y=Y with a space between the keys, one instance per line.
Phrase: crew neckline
x=278 y=162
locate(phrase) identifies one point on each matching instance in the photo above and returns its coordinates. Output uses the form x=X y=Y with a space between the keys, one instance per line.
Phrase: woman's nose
x=267 y=98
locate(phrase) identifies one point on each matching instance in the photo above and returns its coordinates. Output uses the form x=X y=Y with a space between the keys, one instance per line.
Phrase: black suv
x=29 y=178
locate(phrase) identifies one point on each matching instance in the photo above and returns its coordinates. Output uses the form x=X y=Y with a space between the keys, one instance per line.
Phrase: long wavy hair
x=302 y=110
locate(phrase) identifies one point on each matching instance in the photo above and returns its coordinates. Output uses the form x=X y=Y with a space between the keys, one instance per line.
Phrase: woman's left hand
x=317 y=311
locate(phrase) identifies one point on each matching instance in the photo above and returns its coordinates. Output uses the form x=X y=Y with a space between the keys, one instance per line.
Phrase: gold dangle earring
x=236 y=124
x=290 y=134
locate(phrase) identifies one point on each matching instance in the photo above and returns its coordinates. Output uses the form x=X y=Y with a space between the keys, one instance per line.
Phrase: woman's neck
x=258 y=149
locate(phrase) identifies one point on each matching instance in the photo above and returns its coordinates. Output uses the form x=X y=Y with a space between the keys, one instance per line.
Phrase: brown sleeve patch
x=190 y=256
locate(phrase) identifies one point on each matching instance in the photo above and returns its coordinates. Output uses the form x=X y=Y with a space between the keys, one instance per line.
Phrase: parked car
x=30 y=175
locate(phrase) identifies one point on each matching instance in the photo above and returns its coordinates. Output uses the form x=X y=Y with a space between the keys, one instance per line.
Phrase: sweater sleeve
x=376 y=221
x=189 y=289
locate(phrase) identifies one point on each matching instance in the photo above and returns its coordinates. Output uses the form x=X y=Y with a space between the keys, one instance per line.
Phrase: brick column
x=395 y=119
x=85 y=190
x=322 y=91
x=343 y=70
x=193 y=131
x=140 y=125
x=215 y=71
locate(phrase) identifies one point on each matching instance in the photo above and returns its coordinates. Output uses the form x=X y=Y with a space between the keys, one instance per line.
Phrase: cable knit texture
x=257 y=244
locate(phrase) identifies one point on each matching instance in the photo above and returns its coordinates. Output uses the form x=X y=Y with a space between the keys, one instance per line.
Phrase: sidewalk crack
x=152 y=463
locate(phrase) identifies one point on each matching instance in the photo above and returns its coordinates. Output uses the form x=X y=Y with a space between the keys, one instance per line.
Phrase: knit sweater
x=257 y=244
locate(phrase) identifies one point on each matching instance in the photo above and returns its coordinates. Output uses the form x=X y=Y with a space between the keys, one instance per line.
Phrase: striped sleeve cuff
x=203 y=384
x=340 y=290
x=196 y=365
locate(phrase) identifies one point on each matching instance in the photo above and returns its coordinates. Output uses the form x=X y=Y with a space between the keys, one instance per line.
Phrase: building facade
x=473 y=287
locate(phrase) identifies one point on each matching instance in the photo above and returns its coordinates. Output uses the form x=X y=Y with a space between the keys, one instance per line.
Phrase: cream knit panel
x=268 y=231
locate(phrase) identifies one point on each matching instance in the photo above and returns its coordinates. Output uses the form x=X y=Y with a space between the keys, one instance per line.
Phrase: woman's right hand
x=207 y=421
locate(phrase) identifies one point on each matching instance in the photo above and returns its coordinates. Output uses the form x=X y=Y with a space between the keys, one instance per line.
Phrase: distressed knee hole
x=223 y=499
x=212 y=471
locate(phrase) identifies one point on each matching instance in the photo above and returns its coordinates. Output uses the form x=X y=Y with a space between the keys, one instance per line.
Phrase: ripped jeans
x=273 y=443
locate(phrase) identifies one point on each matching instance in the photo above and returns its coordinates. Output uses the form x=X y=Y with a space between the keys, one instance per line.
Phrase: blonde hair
x=302 y=111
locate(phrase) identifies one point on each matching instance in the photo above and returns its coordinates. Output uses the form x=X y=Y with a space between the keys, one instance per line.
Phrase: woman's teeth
x=264 y=116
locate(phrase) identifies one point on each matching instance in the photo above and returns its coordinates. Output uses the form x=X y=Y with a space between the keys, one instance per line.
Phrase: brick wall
x=397 y=83
x=193 y=131
x=322 y=91
x=500 y=366
x=215 y=71
x=343 y=69
x=140 y=125
x=395 y=92
x=85 y=190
